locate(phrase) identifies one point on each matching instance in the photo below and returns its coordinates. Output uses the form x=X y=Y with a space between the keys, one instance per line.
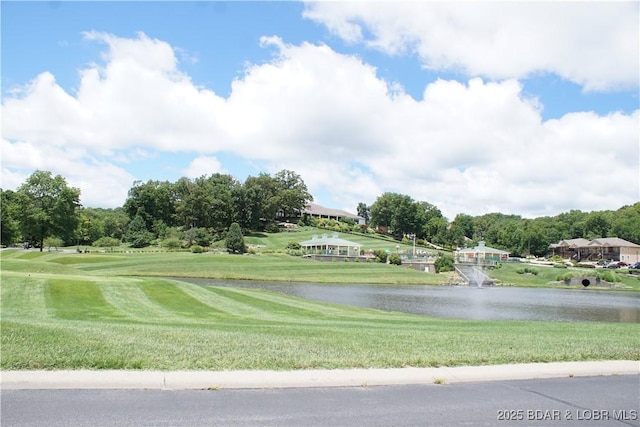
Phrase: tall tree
x=364 y=212
x=626 y=223
x=47 y=206
x=261 y=201
x=292 y=193
x=9 y=223
x=152 y=200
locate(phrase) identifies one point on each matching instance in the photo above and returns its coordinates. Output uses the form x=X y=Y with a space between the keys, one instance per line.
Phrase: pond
x=462 y=302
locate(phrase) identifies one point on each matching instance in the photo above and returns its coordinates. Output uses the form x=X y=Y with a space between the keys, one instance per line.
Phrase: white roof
x=334 y=240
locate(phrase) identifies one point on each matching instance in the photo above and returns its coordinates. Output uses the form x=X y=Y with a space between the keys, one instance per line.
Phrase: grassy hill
x=104 y=311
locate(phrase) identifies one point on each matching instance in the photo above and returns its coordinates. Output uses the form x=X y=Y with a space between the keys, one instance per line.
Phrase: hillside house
x=607 y=248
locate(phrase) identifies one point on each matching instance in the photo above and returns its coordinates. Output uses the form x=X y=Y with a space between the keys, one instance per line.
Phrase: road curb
x=213 y=380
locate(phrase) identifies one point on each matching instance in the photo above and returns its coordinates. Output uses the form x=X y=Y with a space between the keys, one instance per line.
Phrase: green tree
x=47 y=207
x=137 y=233
x=462 y=229
x=260 y=201
x=292 y=194
x=597 y=224
x=235 y=240
x=8 y=222
x=153 y=200
x=364 y=211
x=626 y=223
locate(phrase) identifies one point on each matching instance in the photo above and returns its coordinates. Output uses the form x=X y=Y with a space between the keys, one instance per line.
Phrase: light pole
x=413 y=237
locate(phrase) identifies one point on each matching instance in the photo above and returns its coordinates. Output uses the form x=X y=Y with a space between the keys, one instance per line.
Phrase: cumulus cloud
x=594 y=44
x=206 y=165
x=473 y=147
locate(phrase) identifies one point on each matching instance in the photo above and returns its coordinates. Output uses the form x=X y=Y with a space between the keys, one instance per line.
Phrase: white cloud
x=594 y=44
x=470 y=147
x=206 y=165
x=101 y=183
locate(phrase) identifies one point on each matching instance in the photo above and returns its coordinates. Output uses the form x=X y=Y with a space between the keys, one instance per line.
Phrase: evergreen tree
x=235 y=240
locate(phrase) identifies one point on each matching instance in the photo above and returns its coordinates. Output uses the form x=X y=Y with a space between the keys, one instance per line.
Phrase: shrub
x=608 y=276
x=171 y=243
x=395 y=259
x=106 y=242
x=527 y=270
x=380 y=255
x=293 y=245
x=196 y=249
x=444 y=263
x=53 y=242
x=564 y=277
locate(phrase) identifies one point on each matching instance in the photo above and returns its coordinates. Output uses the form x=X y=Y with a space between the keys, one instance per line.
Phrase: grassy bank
x=279 y=267
x=73 y=311
x=520 y=274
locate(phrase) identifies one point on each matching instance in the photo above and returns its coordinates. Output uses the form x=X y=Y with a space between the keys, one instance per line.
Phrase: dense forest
x=200 y=211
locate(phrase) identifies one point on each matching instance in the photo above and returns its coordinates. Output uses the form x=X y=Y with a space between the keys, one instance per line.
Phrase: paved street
x=578 y=401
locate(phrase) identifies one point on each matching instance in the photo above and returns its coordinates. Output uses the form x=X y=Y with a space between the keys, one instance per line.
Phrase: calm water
x=487 y=303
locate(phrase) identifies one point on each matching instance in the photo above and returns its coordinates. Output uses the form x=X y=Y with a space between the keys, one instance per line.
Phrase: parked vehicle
x=617 y=264
x=635 y=265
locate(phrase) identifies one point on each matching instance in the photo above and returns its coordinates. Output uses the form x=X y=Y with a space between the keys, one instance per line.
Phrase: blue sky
x=475 y=108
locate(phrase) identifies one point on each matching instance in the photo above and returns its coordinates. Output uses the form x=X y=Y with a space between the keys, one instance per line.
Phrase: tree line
x=401 y=216
x=199 y=211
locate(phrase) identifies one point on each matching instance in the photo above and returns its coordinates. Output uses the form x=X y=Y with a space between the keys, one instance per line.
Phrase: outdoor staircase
x=473 y=275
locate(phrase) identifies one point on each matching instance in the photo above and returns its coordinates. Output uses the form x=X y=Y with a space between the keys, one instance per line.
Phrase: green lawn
x=278 y=241
x=508 y=274
x=91 y=311
x=277 y=266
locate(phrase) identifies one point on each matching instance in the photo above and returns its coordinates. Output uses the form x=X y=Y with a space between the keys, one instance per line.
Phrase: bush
x=527 y=270
x=293 y=245
x=444 y=263
x=53 y=242
x=196 y=249
x=380 y=255
x=565 y=277
x=608 y=276
x=106 y=242
x=395 y=259
x=171 y=243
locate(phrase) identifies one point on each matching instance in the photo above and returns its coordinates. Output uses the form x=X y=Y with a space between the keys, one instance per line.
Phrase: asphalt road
x=596 y=401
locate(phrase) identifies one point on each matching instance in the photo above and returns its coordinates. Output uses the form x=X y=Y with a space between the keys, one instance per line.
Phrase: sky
x=524 y=108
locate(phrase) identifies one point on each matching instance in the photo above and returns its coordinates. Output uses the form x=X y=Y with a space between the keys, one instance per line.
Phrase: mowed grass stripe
x=79 y=300
x=284 y=304
x=38 y=266
x=131 y=300
x=273 y=306
x=170 y=296
x=23 y=296
x=216 y=297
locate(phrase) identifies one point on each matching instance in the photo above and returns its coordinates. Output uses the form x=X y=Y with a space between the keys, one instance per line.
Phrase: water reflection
x=488 y=303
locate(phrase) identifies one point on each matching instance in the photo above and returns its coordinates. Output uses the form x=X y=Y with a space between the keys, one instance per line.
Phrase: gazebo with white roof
x=333 y=245
x=481 y=253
